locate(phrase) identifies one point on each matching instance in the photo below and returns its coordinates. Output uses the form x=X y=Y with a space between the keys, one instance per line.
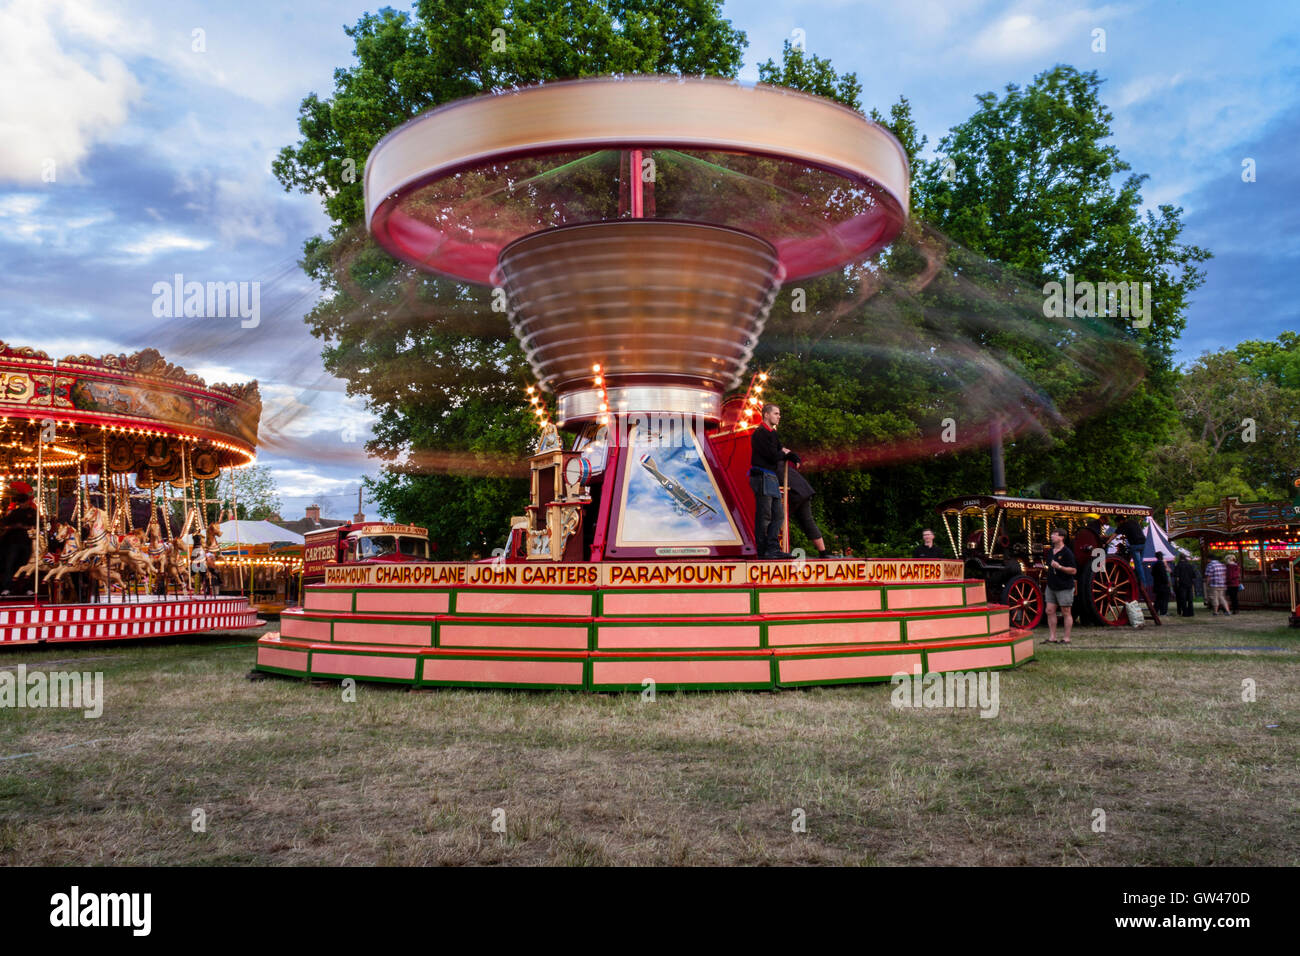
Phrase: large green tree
x=440 y=369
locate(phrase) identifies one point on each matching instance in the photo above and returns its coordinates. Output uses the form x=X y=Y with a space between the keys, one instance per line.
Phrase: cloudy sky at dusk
x=162 y=158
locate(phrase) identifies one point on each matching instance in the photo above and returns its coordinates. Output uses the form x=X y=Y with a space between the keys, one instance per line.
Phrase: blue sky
x=161 y=157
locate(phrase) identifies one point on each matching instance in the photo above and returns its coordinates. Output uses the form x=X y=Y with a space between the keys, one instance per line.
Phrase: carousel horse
x=93 y=556
x=133 y=559
x=68 y=543
x=210 y=538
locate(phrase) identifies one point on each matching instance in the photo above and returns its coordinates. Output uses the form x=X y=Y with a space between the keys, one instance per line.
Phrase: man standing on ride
x=927 y=549
x=766 y=455
x=1131 y=530
x=1061 y=569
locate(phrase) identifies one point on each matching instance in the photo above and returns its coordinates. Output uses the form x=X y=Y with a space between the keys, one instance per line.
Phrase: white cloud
x=58 y=96
x=154 y=243
x=1034 y=29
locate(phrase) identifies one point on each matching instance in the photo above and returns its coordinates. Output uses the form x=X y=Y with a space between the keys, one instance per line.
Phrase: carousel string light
x=538 y=405
x=752 y=407
x=598 y=379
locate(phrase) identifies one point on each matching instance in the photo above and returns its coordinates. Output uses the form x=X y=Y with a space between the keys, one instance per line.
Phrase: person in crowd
x=1061 y=571
x=766 y=455
x=1131 y=530
x=801 y=496
x=1160 y=575
x=1185 y=586
x=1216 y=582
x=1233 y=580
x=15 y=533
x=927 y=548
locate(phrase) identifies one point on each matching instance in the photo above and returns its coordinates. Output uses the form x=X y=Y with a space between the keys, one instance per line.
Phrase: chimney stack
x=313 y=514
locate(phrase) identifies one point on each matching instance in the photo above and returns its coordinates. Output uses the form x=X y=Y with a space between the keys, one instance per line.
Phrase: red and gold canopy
x=121 y=413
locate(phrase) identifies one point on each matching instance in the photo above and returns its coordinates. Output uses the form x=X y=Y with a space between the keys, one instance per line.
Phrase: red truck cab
x=361 y=543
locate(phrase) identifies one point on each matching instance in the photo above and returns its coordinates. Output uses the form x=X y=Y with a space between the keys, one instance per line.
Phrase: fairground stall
x=635 y=232
x=1265 y=537
x=110 y=469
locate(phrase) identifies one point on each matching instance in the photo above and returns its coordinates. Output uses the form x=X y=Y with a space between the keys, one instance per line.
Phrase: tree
x=1239 y=413
x=438 y=367
x=256 y=495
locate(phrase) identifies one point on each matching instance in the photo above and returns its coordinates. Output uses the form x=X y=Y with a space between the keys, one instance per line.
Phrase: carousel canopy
x=235 y=533
x=120 y=414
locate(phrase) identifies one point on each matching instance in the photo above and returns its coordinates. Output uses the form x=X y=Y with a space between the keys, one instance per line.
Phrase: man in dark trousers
x=1061 y=569
x=927 y=548
x=1160 y=574
x=765 y=457
x=1185 y=586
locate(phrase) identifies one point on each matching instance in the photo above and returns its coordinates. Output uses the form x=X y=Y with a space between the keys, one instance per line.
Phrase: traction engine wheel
x=1025 y=599
x=1109 y=590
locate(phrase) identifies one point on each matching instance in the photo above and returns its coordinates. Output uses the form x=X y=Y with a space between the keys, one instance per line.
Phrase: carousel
x=112 y=473
x=634 y=233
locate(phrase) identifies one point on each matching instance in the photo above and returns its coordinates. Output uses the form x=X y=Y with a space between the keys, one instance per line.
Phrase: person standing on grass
x=1061 y=569
x=1160 y=574
x=1233 y=582
x=1185 y=586
x=1216 y=581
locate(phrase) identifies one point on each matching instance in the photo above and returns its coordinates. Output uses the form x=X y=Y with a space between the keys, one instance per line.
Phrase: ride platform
x=150 y=616
x=619 y=626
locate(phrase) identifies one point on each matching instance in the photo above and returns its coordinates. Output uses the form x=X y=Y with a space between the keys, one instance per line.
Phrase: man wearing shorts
x=1061 y=569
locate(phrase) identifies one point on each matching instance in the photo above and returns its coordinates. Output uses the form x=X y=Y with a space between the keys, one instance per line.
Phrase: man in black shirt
x=928 y=549
x=1061 y=570
x=766 y=455
x=1185 y=586
x=1160 y=579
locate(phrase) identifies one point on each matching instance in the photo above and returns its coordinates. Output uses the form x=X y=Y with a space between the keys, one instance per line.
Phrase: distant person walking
x=1216 y=581
x=927 y=548
x=1233 y=582
x=1185 y=586
x=1061 y=570
x=1160 y=574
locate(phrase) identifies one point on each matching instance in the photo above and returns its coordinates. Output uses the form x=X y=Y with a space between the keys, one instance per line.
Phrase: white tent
x=255 y=532
x=1157 y=540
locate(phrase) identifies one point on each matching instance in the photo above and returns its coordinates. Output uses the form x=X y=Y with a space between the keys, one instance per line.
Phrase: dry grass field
x=1148 y=726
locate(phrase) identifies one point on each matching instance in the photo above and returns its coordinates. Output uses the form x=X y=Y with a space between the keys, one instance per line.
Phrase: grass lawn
x=1148 y=726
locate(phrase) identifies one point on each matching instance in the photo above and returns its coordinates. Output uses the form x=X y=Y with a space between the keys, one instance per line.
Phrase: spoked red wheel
x=1025 y=599
x=1110 y=589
